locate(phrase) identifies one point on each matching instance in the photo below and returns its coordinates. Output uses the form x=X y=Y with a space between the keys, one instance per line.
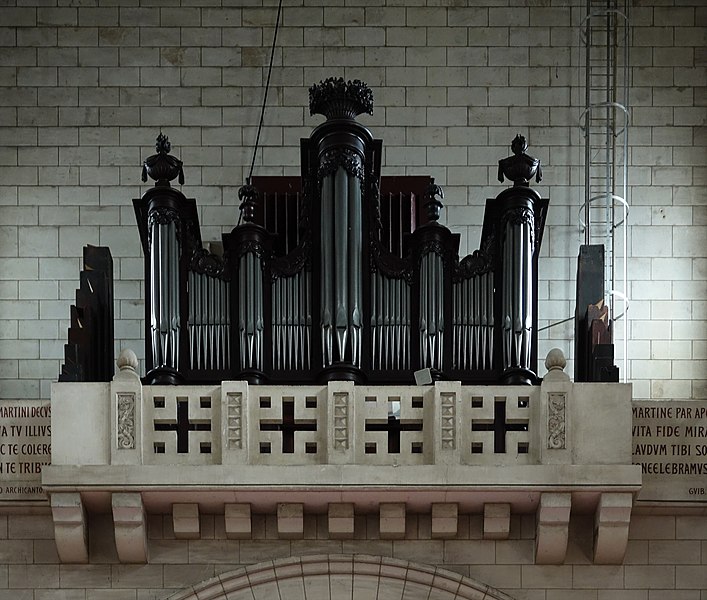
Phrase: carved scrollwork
x=521 y=215
x=125 y=421
x=556 y=420
x=439 y=248
x=389 y=264
x=293 y=263
x=253 y=246
x=480 y=261
x=203 y=261
x=346 y=158
x=163 y=215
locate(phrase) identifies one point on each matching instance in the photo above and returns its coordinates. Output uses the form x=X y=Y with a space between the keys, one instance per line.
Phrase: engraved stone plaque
x=670 y=444
x=25 y=447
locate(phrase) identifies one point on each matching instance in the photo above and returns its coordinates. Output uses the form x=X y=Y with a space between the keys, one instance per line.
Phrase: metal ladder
x=604 y=123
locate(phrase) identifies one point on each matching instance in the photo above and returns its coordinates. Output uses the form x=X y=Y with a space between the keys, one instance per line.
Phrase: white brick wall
x=85 y=89
x=665 y=558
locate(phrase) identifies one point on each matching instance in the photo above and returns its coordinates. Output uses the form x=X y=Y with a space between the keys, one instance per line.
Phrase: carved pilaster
x=341 y=421
x=340 y=407
x=125 y=409
x=126 y=420
x=234 y=420
x=556 y=420
x=448 y=420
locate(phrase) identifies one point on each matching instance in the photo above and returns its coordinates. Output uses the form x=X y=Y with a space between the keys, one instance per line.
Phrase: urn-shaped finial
x=338 y=99
x=162 y=167
x=520 y=168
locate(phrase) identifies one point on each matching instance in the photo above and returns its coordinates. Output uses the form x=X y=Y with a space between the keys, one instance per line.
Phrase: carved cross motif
x=288 y=426
x=499 y=426
x=394 y=426
x=182 y=426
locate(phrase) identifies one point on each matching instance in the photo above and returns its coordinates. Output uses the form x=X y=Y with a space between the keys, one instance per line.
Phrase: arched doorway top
x=340 y=577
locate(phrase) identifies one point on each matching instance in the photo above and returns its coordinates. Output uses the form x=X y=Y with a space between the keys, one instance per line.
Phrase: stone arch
x=340 y=577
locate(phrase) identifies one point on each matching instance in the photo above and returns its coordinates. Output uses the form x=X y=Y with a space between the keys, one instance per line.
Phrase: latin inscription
x=25 y=447
x=670 y=444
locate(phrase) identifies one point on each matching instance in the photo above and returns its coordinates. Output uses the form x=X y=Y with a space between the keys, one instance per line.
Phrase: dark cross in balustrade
x=183 y=426
x=394 y=426
x=499 y=426
x=289 y=426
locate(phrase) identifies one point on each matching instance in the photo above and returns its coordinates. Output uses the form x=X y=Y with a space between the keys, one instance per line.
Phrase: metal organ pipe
x=164 y=294
x=431 y=310
x=327 y=295
x=355 y=272
x=341 y=225
x=517 y=299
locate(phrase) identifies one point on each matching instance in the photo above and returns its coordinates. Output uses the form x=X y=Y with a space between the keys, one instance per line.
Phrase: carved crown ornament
x=338 y=99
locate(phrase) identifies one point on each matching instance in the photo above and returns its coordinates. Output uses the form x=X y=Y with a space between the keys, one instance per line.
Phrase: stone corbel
x=238 y=522
x=290 y=521
x=392 y=521
x=70 y=529
x=445 y=520
x=497 y=521
x=552 y=528
x=611 y=523
x=185 y=520
x=341 y=521
x=130 y=527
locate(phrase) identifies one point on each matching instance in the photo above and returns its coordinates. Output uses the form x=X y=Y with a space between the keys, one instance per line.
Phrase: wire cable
x=267 y=87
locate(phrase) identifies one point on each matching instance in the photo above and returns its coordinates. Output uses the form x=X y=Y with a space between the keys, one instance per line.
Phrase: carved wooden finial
x=338 y=99
x=162 y=167
x=249 y=196
x=520 y=168
x=433 y=202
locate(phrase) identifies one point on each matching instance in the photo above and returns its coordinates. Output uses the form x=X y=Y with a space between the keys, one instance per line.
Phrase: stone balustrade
x=343 y=448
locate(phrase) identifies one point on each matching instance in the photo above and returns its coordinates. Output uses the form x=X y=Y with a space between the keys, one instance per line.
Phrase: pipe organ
x=341 y=273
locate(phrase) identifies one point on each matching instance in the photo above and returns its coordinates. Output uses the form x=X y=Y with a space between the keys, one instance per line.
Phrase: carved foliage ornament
x=521 y=215
x=293 y=263
x=203 y=261
x=331 y=160
x=125 y=421
x=389 y=264
x=556 y=420
x=162 y=215
x=480 y=261
x=338 y=99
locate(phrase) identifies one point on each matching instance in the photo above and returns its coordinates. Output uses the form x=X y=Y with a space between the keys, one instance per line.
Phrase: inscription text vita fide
x=670 y=444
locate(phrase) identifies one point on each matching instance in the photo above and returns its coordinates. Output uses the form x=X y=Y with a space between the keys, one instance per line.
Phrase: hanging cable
x=267 y=87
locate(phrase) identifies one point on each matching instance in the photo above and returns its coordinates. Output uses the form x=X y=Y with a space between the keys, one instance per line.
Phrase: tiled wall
x=85 y=89
x=666 y=558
